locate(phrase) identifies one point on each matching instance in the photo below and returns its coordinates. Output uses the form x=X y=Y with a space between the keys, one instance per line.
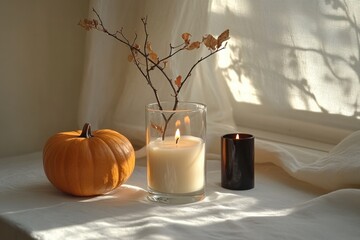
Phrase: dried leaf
x=83 y=25
x=178 y=81
x=86 y=21
x=136 y=46
x=210 y=41
x=157 y=128
x=153 y=56
x=222 y=38
x=194 y=45
x=148 y=47
x=186 y=37
x=95 y=22
x=130 y=57
x=88 y=24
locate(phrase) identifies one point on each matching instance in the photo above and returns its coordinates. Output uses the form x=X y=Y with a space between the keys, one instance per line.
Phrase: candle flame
x=237 y=136
x=177 y=136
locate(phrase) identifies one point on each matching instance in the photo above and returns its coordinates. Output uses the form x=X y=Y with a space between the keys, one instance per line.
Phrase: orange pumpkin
x=82 y=163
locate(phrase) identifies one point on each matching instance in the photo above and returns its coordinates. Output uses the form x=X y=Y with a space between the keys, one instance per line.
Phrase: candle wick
x=177 y=140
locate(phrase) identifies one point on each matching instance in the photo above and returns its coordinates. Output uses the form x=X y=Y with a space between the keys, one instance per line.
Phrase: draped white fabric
x=338 y=169
x=279 y=207
x=290 y=66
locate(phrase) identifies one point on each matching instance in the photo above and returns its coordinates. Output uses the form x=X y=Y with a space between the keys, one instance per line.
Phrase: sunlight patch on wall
x=301 y=58
x=240 y=85
x=224 y=59
x=322 y=64
x=241 y=88
x=299 y=102
x=222 y=6
x=320 y=91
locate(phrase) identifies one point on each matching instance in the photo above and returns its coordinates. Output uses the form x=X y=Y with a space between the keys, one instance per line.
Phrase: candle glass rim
x=183 y=106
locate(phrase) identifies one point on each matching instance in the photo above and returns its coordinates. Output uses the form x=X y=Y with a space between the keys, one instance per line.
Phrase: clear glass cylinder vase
x=176 y=152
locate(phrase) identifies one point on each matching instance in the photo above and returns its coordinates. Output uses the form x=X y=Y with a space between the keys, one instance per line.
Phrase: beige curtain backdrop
x=291 y=67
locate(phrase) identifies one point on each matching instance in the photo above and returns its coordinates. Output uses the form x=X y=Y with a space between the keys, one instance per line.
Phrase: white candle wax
x=176 y=168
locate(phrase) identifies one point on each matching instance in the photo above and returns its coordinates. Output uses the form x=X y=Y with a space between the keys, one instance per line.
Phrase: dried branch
x=151 y=60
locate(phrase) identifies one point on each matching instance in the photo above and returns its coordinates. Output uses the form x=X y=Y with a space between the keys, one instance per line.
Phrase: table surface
x=278 y=207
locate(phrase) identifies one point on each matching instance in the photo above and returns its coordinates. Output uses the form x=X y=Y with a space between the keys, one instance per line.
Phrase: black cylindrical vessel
x=237 y=161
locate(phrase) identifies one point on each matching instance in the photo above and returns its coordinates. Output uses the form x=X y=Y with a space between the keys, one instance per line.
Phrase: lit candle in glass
x=176 y=152
x=176 y=165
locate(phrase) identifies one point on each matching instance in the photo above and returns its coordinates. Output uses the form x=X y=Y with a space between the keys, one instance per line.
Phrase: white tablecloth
x=279 y=207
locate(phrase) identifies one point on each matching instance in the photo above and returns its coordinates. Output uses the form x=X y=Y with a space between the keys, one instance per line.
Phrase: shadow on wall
x=295 y=67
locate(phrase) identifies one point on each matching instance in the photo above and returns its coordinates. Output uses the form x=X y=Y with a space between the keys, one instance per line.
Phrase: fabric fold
x=337 y=169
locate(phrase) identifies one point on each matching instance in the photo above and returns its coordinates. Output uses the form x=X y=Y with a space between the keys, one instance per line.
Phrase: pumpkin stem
x=86 y=131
